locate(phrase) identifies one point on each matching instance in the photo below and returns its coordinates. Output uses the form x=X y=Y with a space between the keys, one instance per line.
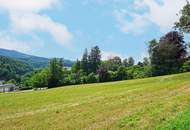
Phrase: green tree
x=146 y=61
x=94 y=59
x=113 y=63
x=103 y=74
x=184 y=22
x=92 y=78
x=121 y=73
x=84 y=62
x=55 y=72
x=40 y=79
x=61 y=63
x=168 y=55
x=152 y=44
x=76 y=66
x=186 y=66
x=131 y=61
x=125 y=63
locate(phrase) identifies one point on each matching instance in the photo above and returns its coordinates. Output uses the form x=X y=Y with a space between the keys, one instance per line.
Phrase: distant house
x=7 y=87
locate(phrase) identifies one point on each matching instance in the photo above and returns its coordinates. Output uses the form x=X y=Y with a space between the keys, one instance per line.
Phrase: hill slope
x=35 y=61
x=11 y=68
x=145 y=104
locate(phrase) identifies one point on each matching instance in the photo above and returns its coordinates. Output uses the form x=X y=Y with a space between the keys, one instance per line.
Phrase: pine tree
x=85 y=62
x=94 y=59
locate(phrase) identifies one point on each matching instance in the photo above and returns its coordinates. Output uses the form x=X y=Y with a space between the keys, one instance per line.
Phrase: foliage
x=49 y=77
x=55 y=72
x=184 y=22
x=186 y=66
x=85 y=62
x=121 y=73
x=131 y=61
x=168 y=55
x=103 y=73
x=135 y=72
x=92 y=78
x=113 y=64
x=76 y=66
x=12 y=69
x=40 y=80
x=146 y=61
x=94 y=59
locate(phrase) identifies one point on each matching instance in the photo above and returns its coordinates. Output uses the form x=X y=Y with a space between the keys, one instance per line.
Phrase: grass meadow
x=160 y=103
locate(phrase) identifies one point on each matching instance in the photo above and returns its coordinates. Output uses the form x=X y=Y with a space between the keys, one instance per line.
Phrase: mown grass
x=181 y=122
x=147 y=104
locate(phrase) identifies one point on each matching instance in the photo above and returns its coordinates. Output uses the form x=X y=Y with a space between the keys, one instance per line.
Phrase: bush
x=40 y=79
x=121 y=73
x=92 y=78
x=137 y=71
x=186 y=66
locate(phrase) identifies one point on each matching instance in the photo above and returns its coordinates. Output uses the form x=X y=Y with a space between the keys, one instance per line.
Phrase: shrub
x=186 y=66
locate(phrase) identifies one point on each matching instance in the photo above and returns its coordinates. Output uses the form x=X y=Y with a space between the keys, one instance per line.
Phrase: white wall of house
x=7 y=88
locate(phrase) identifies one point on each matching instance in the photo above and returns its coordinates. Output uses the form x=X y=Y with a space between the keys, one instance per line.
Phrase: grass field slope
x=161 y=103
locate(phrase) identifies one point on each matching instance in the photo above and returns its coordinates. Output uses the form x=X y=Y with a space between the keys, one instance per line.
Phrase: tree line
x=168 y=55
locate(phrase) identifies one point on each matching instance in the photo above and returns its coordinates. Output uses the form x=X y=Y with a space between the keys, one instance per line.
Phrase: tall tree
x=76 y=66
x=168 y=55
x=152 y=44
x=55 y=72
x=121 y=73
x=61 y=63
x=125 y=63
x=84 y=62
x=94 y=59
x=146 y=61
x=103 y=73
x=114 y=63
x=131 y=61
x=184 y=22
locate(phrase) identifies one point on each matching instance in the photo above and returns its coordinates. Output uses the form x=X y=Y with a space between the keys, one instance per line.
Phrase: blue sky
x=64 y=28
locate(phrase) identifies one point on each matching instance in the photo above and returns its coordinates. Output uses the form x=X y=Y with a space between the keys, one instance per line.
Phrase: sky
x=64 y=28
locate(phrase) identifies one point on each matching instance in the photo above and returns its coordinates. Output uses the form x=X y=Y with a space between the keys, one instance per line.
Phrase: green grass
x=181 y=122
x=145 y=104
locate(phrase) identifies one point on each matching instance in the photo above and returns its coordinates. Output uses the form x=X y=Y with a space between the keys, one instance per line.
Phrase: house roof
x=7 y=85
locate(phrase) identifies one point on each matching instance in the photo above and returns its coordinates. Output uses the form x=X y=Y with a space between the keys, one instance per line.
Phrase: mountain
x=11 y=68
x=35 y=61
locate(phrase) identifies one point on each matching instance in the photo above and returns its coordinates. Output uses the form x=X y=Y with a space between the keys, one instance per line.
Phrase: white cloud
x=32 y=22
x=104 y=2
x=108 y=55
x=135 y=25
x=161 y=14
x=26 y=19
x=164 y=15
x=27 y=5
x=9 y=42
x=12 y=44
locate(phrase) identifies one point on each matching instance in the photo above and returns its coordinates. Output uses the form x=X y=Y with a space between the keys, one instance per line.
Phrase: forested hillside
x=35 y=61
x=12 y=69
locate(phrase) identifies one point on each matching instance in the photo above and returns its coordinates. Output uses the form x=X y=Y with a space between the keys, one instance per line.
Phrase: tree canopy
x=168 y=55
x=184 y=22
